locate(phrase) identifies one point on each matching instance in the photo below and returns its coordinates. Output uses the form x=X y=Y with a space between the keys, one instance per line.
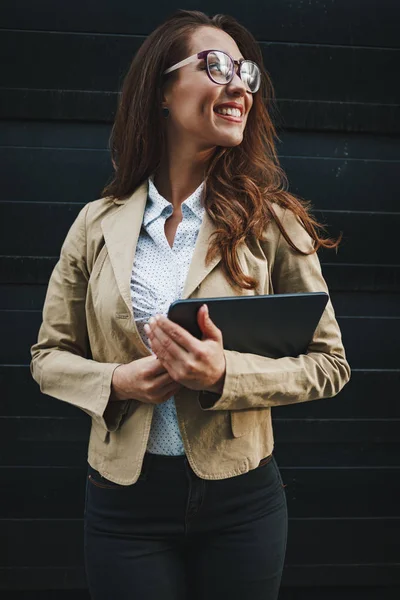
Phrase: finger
x=166 y=393
x=171 y=366
x=174 y=331
x=207 y=326
x=163 y=380
x=165 y=347
x=171 y=389
x=157 y=369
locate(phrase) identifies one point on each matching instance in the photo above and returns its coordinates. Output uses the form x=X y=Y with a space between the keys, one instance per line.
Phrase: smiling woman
x=184 y=499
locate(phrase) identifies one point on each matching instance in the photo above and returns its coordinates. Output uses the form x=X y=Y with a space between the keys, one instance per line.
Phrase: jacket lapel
x=121 y=233
x=198 y=269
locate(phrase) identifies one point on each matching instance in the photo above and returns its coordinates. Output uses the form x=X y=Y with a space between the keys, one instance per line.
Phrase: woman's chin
x=229 y=141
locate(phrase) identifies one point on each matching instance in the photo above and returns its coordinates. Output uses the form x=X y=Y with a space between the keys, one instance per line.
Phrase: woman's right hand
x=145 y=380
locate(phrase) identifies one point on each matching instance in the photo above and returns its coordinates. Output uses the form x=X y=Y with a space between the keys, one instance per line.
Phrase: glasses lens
x=220 y=67
x=250 y=75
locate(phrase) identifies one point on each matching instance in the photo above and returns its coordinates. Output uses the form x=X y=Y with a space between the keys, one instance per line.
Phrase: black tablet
x=275 y=325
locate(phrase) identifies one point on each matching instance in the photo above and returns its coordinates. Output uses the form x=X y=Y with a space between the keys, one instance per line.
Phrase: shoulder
x=85 y=238
x=286 y=219
x=96 y=210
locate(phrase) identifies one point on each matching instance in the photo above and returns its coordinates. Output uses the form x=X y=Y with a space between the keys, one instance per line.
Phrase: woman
x=184 y=498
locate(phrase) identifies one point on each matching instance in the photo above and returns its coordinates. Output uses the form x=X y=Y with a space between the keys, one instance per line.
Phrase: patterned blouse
x=158 y=278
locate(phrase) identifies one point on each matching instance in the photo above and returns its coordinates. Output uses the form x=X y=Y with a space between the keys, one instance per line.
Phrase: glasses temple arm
x=182 y=63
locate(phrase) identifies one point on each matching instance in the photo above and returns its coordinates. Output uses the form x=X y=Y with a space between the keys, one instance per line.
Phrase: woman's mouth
x=235 y=118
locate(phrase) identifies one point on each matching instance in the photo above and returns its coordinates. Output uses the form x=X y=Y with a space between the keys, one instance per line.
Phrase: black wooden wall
x=335 y=67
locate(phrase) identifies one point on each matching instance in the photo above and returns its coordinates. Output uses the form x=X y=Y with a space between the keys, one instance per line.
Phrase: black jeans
x=174 y=536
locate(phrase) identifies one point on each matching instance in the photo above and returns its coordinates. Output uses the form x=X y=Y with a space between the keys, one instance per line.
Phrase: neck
x=180 y=173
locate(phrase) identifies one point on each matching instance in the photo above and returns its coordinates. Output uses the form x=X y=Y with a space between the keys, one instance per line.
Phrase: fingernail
x=152 y=320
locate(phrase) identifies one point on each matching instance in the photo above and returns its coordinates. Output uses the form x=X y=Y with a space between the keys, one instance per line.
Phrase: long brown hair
x=242 y=182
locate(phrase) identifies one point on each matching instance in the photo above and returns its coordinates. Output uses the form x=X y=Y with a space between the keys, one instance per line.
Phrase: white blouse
x=158 y=278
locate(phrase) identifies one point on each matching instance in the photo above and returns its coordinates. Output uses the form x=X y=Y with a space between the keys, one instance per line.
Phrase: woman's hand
x=145 y=380
x=196 y=364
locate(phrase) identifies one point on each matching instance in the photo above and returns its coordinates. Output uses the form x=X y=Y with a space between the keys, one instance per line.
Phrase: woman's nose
x=236 y=85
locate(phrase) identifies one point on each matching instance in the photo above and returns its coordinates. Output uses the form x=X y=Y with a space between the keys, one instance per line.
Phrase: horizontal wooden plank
x=309 y=443
x=331 y=144
x=344 y=540
x=79 y=175
x=55 y=493
x=44 y=429
x=93 y=106
x=343 y=184
x=294 y=68
x=22 y=297
x=95 y=136
x=73 y=453
x=49 y=453
x=43 y=583
x=327 y=115
x=21 y=396
x=89 y=135
x=334 y=23
x=367 y=541
x=368 y=304
x=358 y=399
x=26 y=217
x=322 y=431
x=30 y=269
x=315 y=454
x=358 y=277
x=383 y=431
x=69 y=583
x=336 y=576
x=371 y=343
x=22 y=549
x=375 y=245
x=341 y=492
x=340 y=277
x=365 y=237
x=76 y=105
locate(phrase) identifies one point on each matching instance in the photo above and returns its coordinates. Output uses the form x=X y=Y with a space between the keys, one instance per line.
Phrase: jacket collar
x=121 y=231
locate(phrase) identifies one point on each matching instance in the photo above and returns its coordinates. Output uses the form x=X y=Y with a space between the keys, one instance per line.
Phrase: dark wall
x=335 y=67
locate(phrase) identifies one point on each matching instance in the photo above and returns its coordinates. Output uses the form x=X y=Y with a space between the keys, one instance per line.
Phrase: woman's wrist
x=117 y=385
x=218 y=386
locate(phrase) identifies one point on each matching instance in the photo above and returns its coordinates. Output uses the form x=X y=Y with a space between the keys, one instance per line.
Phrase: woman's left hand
x=196 y=364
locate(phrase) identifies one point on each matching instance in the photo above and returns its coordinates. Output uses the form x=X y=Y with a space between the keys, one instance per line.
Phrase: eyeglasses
x=220 y=67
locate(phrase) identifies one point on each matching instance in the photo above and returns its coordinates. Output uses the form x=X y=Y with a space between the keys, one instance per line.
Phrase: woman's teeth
x=233 y=112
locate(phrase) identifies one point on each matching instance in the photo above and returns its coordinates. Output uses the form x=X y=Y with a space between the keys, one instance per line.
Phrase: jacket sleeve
x=59 y=358
x=253 y=381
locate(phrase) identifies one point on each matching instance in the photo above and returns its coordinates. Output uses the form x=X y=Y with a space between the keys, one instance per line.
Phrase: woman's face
x=192 y=98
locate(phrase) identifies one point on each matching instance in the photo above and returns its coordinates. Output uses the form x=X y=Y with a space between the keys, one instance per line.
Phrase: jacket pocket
x=244 y=421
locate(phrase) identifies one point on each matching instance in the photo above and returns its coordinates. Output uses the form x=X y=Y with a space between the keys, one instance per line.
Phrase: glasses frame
x=203 y=56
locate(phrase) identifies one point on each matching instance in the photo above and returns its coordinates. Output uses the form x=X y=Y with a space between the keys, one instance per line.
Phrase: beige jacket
x=88 y=329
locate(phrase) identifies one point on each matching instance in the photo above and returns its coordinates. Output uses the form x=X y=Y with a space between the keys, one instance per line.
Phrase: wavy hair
x=242 y=182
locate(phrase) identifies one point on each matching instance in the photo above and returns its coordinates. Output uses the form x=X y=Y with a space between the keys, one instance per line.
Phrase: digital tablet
x=276 y=325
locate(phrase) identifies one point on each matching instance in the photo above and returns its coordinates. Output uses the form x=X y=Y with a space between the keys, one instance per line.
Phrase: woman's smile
x=229 y=117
